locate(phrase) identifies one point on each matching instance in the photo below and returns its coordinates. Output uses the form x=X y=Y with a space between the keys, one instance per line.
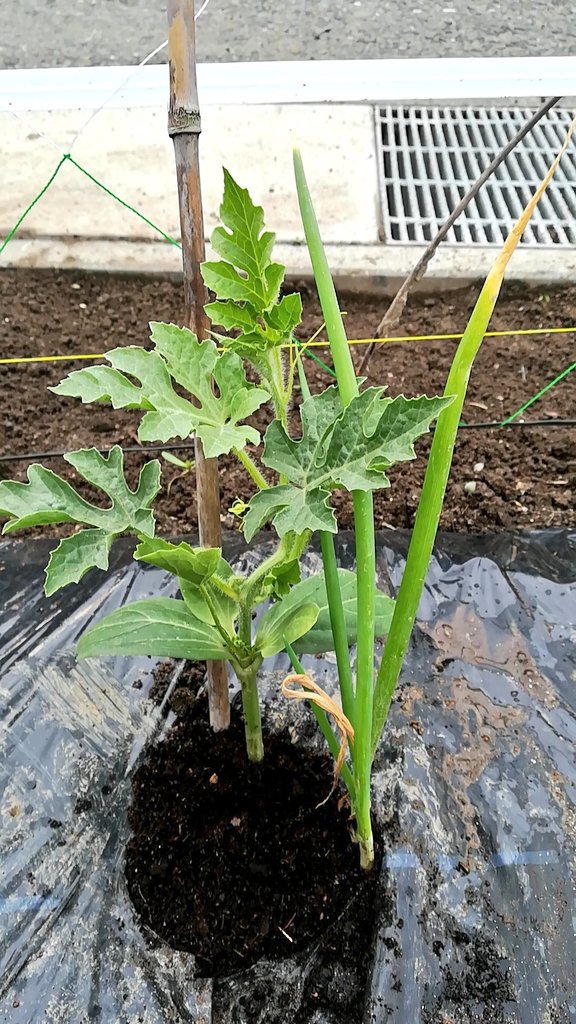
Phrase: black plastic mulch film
x=477 y=772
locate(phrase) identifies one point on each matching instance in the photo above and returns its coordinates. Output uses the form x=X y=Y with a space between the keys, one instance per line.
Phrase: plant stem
x=367 y=852
x=290 y=547
x=335 y=606
x=290 y=381
x=280 y=396
x=251 y=709
x=438 y=468
x=248 y=679
x=275 y=379
x=245 y=624
x=208 y=599
x=251 y=468
x=338 y=625
x=363 y=521
x=365 y=591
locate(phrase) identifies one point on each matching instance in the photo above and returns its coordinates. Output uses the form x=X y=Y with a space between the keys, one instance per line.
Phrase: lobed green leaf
x=232 y=316
x=285 y=315
x=246 y=281
x=291 y=509
x=74 y=556
x=244 y=246
x=347 y=448
x=47 y=498
x=178 y=357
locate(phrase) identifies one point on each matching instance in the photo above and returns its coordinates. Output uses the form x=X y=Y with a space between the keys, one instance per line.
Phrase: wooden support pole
x=184 y=129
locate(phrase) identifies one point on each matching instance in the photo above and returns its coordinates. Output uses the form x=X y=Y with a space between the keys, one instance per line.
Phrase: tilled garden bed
x=522 y=476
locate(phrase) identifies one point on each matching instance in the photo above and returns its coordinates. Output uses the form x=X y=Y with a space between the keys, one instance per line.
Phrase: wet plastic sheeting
x=475 y=783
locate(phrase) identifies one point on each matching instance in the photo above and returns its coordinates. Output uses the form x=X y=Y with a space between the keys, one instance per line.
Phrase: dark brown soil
x=233 y=861
x=190 y=681
x=528 y=476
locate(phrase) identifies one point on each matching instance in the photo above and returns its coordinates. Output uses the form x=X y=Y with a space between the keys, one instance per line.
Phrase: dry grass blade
x=515 y=234
x=311 y=691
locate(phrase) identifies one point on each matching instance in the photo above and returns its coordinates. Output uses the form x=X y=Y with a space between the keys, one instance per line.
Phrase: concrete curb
x=372 y=81
x=375 y=269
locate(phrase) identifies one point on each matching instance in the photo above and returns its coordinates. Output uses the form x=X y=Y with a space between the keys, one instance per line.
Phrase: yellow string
x=525 y=332
x=51 y=359
x=448 y=337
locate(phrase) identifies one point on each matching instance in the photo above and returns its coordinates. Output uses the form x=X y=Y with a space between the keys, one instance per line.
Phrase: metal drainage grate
x=431 y=156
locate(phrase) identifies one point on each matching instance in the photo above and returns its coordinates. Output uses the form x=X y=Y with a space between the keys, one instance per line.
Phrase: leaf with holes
x=340 y=448
x=48 y=499
x=178 y=357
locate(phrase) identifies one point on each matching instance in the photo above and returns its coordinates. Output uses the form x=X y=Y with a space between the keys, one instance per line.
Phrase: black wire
x=517 y=423
x=188 y=445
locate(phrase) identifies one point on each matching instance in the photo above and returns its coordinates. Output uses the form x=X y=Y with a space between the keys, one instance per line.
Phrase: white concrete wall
x=129 y=152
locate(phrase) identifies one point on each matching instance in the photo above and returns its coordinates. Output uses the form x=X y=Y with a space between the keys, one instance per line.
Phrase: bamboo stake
x=184 y=130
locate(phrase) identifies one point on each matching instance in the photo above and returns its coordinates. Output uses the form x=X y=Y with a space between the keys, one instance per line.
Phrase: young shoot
x=185 y=466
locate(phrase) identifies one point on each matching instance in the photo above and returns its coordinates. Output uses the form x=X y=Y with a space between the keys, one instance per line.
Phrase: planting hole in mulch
x=233 y=861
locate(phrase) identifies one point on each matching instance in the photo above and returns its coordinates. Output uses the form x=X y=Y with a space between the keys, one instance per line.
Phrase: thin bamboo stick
x=184 y=129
